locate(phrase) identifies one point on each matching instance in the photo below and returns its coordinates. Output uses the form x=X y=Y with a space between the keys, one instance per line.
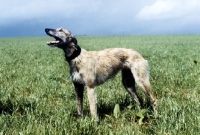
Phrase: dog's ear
x=72 y=39
x=67 y=32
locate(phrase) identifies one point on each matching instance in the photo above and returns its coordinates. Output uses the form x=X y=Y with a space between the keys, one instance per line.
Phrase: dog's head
x=64 y=40
x=63 y=37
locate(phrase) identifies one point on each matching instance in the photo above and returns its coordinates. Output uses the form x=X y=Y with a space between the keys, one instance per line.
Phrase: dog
x=92 y=68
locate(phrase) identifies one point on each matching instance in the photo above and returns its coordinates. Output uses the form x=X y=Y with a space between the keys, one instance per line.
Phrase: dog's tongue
x=53 y=42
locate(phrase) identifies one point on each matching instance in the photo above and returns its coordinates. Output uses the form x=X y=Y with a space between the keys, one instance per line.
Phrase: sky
x=99 y=17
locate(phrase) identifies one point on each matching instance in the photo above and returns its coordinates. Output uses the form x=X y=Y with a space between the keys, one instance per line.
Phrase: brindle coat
x=92 y=68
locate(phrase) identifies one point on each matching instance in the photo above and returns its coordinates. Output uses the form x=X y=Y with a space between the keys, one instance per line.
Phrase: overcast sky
x=99 y=17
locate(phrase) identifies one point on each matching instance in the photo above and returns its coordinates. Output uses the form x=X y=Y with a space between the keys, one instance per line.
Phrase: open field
x=37 y=97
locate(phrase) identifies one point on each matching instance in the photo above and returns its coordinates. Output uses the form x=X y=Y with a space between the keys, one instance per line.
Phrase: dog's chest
x=76 y=77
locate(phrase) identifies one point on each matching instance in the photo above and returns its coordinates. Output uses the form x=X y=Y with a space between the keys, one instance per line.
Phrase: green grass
x=37 y=96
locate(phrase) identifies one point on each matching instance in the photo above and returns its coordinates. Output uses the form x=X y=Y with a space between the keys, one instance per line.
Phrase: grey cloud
x=105 y=17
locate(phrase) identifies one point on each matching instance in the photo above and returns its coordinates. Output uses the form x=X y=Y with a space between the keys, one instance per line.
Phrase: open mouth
x=54 y=42
x=52 y=33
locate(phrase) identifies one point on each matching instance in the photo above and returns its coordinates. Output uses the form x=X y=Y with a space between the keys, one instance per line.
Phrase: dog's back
x=103 y=65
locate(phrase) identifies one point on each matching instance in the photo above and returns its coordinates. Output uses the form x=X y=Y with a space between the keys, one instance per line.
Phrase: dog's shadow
x=108 y=109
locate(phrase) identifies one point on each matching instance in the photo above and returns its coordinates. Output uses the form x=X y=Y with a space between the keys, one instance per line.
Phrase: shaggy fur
x=92 y=68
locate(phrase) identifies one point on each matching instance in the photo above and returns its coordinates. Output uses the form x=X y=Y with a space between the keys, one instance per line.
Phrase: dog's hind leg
x=129 y=84
x=140 y=72
x=79 y=88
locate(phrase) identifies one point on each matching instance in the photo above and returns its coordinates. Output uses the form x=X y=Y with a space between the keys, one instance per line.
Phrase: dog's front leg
x=79 y=88
x=92 y=101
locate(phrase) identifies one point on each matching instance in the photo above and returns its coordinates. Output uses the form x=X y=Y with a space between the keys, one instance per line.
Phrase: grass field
x=37 y=97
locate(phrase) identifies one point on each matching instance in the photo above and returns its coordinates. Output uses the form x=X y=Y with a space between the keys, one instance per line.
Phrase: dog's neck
x=74 y=55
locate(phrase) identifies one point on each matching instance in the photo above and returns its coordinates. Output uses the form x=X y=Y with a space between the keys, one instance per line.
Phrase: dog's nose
x=47 y=30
